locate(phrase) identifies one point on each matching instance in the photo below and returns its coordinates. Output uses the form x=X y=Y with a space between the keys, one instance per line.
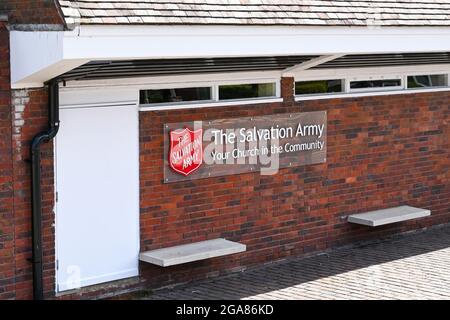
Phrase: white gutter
x=38 y=56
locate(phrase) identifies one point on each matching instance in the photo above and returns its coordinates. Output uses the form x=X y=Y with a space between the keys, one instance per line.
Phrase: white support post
x=309 y=64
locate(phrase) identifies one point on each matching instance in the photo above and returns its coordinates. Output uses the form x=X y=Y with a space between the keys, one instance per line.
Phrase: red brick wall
x=29 y=110
x=6 y=180
x=31 y=11
x=382 y=151
x=21 y=120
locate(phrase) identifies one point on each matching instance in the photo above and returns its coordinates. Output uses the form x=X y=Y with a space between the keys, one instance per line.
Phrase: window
x=247 y=91
x=427 y=81
x=209 y=94
x=319 y=86
x=375 y=84
x=175 y=95
x=358 y=83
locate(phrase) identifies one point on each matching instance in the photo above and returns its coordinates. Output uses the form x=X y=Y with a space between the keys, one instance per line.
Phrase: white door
x=97 y=183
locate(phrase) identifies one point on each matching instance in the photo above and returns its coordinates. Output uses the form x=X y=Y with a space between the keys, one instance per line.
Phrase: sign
x=186 y=150
x=264 y=144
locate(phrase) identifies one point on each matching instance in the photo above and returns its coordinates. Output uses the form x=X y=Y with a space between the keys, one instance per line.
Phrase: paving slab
x=413 y=266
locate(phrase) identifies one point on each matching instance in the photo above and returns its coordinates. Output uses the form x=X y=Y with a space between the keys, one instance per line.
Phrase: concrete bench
x=386 y=216
x=191 y=252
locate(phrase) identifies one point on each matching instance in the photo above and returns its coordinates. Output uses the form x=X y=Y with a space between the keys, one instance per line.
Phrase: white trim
x=369 y=89
x=247 y=81
x=97 y=97
x=346 y=86
x=278 y=88
x=215 y=93
x=28 y=85
x=99 y=105
x=368 y=94
x=60 y=288
x=39 y=56
x=416 y=72
x=55 y=212
x=379 y=76
x=209 y=104
x=359 y=73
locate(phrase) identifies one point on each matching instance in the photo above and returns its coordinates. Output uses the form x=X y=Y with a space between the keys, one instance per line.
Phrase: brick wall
x=23 y=115
x=382 y=151
x=19 y=122
x=6 y=180
x=29 y=110
x=31 y=11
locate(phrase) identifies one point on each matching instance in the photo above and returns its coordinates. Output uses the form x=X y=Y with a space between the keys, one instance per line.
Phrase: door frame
x=68 y=104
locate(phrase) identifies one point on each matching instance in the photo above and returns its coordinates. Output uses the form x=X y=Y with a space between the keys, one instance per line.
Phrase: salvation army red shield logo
x=186 y=150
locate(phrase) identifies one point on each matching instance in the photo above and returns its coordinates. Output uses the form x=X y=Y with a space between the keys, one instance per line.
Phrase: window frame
x=178 y=102
x=215 y=100
x=343 y=84
x=447 y=75
x=391 y=88
x=246 y=83
x=384 y=73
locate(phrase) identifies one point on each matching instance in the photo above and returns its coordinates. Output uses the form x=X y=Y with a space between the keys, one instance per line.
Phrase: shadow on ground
x=409 y=266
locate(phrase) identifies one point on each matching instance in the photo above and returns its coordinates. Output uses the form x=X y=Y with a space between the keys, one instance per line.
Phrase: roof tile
x=259 y=12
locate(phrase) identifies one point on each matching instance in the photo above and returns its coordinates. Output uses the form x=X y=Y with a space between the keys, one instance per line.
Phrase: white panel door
x=97 y=180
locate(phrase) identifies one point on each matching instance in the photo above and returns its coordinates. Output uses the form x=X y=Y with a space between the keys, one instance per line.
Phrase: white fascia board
x=47 y=72
x=39 y=56
x=141 y=42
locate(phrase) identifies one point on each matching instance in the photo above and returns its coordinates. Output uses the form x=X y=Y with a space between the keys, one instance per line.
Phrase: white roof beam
x=309 y=64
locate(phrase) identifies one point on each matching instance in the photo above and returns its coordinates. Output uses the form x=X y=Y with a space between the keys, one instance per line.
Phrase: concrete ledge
x=191 y=252
x=386 y=216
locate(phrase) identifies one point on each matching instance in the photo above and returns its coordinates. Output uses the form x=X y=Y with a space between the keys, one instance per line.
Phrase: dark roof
x=96 y=70
x=164 y=67
x=259 y=12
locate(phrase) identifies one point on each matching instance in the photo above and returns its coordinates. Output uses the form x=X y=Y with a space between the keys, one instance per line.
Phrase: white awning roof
x=37 y=57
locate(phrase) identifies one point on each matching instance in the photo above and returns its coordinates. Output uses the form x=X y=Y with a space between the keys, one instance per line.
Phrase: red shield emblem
x=186 y=150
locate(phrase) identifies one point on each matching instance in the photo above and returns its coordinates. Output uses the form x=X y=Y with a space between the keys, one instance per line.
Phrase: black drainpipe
x=36 y=194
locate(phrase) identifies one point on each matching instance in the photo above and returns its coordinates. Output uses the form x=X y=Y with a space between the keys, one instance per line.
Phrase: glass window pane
x=320 y=86
x=247 y=91
x=175 y=95
x=367 y=84
x=426 y=81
